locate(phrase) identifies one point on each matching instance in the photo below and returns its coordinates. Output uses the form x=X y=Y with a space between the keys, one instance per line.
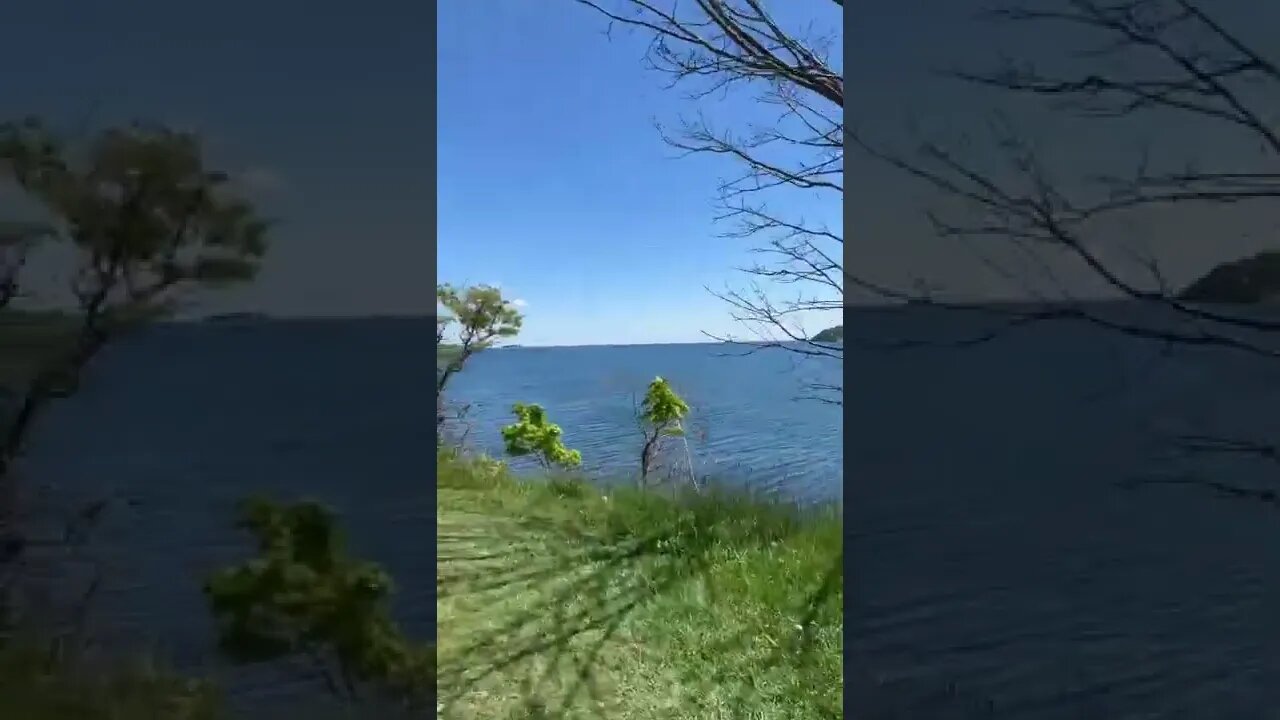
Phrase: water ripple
x=745 y=427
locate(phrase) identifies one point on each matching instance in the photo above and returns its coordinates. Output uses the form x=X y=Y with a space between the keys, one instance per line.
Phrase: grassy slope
x=555 y=597
x=31 y=690
x=28 y=341
x=556 y=600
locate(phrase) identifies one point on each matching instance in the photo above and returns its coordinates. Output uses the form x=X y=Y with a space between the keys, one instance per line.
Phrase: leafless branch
x=1033 y=209
x=1212 y=444
x=1181 y=62
x=711 y=46
x=1206 y=64
x=1263 y=495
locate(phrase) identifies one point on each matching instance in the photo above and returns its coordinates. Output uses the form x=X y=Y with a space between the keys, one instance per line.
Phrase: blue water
x=994 y=566
x=185 y=420
x=747 y=427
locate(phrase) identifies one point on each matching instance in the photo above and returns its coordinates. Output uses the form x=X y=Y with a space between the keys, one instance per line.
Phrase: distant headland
x=236 y=317
x=262 y=317
x=1247 y=281
x=830 y=335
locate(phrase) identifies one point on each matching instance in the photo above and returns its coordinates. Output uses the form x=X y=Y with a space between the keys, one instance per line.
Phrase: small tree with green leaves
x=661 y=416
x=147 y=219
x=303 y=598
x=533 y=435
x=481 y=317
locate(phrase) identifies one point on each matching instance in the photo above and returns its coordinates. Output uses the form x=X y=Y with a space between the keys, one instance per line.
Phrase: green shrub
x=661 y=413
x=532 y=434
x=303 y=598
x=31 y=688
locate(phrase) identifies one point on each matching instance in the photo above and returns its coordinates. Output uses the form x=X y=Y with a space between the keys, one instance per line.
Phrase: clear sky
x=555 y=184
x=551 y=179
x=896 y=95
x=326 y=105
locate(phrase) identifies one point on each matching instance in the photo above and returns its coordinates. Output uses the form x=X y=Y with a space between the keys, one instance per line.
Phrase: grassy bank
x=33 y=688
x=29 y=341
x=559 y=600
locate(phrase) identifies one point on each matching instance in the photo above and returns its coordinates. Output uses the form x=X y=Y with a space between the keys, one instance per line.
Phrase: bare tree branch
x=711 y=46
x=1182 y=62
x=1262 y=495
x=1033 y=208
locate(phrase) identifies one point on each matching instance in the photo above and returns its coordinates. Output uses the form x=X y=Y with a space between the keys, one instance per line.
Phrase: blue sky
x=555 y=185
x=895 y=54
x=328 y=110
x=551 y=179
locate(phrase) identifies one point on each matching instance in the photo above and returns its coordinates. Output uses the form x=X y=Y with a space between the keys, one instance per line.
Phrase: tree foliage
x=147 y=219
x=533 y=435
x=303 y=598
x=661 y=415
x=139 y=204
x=480 y=317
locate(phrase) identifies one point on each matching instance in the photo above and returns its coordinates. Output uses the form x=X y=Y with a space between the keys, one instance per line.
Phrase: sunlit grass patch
x=33 y=688
x=559 y=599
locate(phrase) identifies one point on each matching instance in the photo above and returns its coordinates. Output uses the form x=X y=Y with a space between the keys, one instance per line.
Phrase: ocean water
x=997 y=565
x=749 y=425
x=1000 y=561
x=183 y=421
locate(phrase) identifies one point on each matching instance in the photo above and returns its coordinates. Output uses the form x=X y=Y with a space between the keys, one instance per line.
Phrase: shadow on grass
x=558 y=601
x=35 y=687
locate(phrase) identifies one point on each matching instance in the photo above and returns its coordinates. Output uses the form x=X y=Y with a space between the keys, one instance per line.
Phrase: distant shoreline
x=54 y=314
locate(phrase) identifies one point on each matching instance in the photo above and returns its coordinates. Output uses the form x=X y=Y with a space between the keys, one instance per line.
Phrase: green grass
x=32 y=341
x=557 y=599
x=29 y=341
x=446 y=354
x=33 y=689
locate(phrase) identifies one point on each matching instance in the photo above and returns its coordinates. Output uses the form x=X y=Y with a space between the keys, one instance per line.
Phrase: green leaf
x=302 y=594
x=662 y=406
x=137 y=203
x=533 y=434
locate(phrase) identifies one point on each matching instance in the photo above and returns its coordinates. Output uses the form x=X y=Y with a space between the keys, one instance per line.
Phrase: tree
x=533 y=435
x=727 y=44
x=482 y=318
x=1152 y=61
x=303 y=597
x=147 y=219
x=661 y=413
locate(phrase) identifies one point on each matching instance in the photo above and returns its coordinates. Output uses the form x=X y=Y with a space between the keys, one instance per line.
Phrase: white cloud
x=520 y=303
